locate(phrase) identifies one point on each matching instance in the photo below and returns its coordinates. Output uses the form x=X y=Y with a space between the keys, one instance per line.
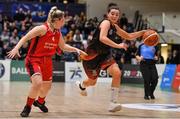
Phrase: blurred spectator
x=5 y=37
x=69 y=37
x=82 y=17
x=90 y=36
x=123 y=20
x=28 y=14
x=133 y=49
x=64 y=30
x=13 y=40
x=69 y=57
x=77 y=36
x=2 y=50
x=27 y=23
x=172 y=57
x=22 y=31
x=1 y=24
x=169 y=58
x=127 y=55
x=175 y=59
x=89 y=26
x=19 y=16
x=160 y=59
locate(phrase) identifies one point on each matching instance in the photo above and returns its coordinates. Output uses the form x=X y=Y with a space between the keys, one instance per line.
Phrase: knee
x=117 y=73
x=37 y=85
x=92 y=83
x=48 y=87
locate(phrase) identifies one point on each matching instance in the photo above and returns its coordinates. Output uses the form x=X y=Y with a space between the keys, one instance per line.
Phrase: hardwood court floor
x=64 y=101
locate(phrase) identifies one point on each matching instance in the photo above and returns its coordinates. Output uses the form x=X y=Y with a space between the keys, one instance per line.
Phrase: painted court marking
x=159 y=107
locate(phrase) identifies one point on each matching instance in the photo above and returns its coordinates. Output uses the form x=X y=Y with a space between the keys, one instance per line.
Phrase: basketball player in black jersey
x=101 y=58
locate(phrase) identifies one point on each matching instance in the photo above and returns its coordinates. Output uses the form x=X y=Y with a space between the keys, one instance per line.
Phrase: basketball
x=150 y=38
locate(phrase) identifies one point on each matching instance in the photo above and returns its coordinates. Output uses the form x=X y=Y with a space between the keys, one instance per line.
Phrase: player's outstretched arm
x=68 y=48
x=104 y=27
x=129 y=36
x=36 y=31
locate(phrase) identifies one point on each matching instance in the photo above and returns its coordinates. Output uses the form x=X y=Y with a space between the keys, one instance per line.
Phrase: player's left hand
x=80 y=52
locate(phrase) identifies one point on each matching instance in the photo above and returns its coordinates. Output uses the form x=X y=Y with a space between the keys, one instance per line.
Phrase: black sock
x=81 y=87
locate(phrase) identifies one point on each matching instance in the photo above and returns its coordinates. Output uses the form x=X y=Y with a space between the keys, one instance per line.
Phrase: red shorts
x=39 y=65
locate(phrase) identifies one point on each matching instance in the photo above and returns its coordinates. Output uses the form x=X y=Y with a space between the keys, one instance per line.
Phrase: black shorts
x=93 y=67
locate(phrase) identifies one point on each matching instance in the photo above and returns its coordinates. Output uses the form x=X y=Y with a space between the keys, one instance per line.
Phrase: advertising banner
x=74 y=71
x=176 y=81
x=5 y=69
x=131 y=74
x=18 y=71
x=167 y=77
x=160 y=69
x=58 y=71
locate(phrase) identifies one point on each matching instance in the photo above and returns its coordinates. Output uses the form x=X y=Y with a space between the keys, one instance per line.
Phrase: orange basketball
x=150 y=38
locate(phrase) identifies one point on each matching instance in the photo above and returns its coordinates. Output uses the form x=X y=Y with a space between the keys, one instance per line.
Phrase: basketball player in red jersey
x=45 y=39
x=100 y=50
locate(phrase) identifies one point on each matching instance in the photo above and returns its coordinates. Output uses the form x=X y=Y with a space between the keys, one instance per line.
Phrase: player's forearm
x=128 y=36
x=20 y=43
x=69 y=48
x=109 y=42
x=135 y=35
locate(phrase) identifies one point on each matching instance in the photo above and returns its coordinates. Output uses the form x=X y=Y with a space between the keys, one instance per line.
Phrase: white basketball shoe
x=114 y=107
x=82 y=90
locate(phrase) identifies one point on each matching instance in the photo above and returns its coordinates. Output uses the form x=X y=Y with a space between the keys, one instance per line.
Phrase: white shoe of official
x=83 y=91
x=114 y=107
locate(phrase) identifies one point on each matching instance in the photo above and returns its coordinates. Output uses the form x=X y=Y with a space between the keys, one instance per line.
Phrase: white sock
x=114 y=94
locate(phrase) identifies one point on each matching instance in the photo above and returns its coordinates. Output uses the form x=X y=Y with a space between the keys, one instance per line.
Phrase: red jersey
x=45 y=45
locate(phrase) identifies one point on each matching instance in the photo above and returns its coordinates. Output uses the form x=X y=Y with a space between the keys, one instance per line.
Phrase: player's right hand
x=140 y=58
x=14 y=52
x=123 y=46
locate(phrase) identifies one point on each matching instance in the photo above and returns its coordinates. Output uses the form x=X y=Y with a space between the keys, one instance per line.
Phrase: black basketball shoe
x=26 y=111
x=42 y=107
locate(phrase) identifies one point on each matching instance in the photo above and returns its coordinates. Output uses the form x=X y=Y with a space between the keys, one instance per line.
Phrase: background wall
x=98 y=7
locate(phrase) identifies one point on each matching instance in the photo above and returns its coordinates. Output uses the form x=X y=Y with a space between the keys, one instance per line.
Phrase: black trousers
x=150 y=76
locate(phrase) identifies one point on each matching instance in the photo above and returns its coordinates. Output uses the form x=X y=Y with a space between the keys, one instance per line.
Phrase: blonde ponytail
x=54 y=13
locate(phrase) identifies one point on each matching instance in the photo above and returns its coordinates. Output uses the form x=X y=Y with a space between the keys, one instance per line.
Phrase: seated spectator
x=5 y=37
x=22 y=31
x=64 y=30
x=123 y=20
x=175 y=59
x=160 y=59
x=90 y=36
x=13 y=40
x=77 y=36
x=69 y=37
x=133 y=49
x=2 y=50
x=169 y=58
